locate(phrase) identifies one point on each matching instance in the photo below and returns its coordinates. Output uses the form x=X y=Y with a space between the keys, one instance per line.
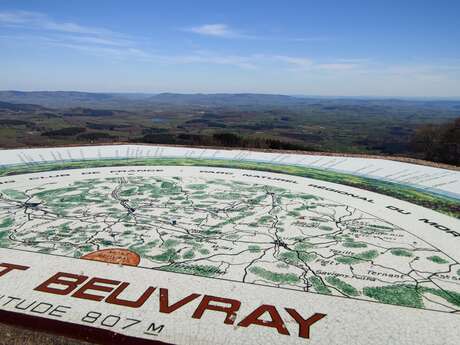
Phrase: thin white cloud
x=106 y=41
x=19 y=17
x=298 y=63
x=107 y=51
x=301 y=62
x=216 y=30
x=36 y=20
x=141 y=55
x=37 y=26
x=245 y=62
x=336 y=66
x=225 y=31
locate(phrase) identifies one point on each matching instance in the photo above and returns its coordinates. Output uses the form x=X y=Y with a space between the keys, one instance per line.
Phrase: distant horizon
x=444 y=98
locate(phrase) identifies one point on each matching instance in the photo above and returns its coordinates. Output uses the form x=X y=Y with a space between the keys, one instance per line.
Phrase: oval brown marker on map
x=114 y=256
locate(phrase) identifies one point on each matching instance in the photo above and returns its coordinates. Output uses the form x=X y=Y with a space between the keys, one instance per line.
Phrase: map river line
x=230 y=224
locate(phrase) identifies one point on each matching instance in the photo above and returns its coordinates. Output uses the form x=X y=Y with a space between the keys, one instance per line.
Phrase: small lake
x=159 y=119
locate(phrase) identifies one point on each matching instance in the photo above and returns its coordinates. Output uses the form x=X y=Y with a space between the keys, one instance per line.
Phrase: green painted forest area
x=436 y=202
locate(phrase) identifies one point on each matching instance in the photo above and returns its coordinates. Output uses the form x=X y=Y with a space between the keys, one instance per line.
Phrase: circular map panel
x=227 y=252
x=183 y=220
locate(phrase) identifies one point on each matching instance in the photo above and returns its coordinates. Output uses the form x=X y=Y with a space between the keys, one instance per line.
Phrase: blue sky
x=343 y=47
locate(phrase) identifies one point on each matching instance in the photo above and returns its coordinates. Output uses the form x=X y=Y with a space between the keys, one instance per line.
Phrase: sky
x=385 y=48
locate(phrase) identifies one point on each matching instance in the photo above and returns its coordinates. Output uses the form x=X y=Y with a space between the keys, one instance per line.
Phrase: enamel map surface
x=233 y=230
x=293 y=241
